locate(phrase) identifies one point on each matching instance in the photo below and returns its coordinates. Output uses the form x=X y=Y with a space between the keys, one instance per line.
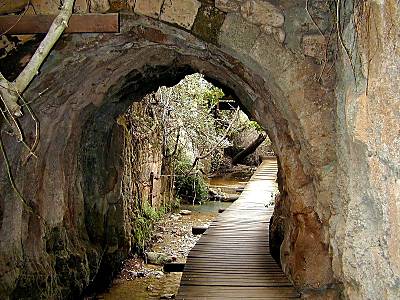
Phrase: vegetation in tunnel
x=171 y=141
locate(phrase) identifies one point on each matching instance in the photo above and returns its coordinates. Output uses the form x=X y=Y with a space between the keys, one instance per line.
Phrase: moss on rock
x=208 y=23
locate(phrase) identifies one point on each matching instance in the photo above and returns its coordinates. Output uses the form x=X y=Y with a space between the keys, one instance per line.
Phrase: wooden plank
x=232 y=259
x=85 y=23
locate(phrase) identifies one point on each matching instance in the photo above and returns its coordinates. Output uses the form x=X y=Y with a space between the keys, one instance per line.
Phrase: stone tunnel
x=320 y=76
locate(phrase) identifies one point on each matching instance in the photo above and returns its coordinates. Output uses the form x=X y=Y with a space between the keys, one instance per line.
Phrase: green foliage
x=256 y=126
x=190 y=187
x=143 y=224
x=186 y=110
x=213 y=95
x=173 y=205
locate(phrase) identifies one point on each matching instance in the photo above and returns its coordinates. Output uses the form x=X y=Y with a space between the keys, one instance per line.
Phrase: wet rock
x=157 y=274
x=158 y=258
x=185 y=212
x=175 y=217
x=167 y=296
x=133 y=273
x=140 y=274
x=212 y=192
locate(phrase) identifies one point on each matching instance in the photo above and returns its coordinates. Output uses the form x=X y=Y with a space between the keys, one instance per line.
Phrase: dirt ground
x=172 y=236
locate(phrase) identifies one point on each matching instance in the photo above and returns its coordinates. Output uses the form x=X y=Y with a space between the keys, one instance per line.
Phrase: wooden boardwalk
x=232 y=260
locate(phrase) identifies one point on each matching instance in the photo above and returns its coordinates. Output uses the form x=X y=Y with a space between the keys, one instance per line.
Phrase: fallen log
x=249 y=149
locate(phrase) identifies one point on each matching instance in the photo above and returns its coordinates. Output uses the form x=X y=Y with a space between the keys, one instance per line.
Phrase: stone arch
x=93 y=78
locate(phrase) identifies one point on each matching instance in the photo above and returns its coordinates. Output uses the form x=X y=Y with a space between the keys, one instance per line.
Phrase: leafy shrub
x=143 y=224
x=192 y=187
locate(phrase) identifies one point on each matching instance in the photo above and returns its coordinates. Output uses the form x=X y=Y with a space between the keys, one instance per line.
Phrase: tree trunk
x=249 y=149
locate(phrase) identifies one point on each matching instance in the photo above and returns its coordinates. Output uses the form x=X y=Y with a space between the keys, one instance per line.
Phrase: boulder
x=157 y=258
x=185 y=212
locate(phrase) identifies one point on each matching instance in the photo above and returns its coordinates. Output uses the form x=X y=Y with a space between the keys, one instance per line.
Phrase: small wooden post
x=151 y=189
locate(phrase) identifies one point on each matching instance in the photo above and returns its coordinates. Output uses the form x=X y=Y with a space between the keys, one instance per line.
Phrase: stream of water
x=173 y=235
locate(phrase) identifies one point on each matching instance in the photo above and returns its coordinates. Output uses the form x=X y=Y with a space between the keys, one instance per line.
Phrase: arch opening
x=79 y=131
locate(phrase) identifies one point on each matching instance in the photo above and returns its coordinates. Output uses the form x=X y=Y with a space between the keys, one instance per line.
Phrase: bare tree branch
x=198 y=158
x=10 y=90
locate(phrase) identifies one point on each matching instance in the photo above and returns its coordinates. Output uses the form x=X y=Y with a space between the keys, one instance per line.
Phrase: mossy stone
x=208 y=23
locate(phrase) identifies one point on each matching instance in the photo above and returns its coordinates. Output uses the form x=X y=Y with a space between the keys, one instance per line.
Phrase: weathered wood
x=232 y=258
x=85 y=23
x=199 y=229
x=174 y=267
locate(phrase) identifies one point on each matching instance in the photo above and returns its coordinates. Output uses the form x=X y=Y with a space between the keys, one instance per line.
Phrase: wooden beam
x=84 y=23
x=174 y=267
x=196 y=230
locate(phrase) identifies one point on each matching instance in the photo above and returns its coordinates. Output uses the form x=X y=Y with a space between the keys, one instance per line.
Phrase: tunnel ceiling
x=270 y=55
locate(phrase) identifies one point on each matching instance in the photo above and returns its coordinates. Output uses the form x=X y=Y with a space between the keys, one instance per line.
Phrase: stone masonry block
x=227 y=5
x=100 y=6
x=208 y=23
x=314 y=45
x=180 y=12
x=238 y=34
x=47 y=7
x=262 y=13
x=150 y=8
x=80 y=7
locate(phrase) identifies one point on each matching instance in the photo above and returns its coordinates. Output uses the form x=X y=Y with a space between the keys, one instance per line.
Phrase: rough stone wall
x=143 y=157
x=272 y=56
x=365 y=225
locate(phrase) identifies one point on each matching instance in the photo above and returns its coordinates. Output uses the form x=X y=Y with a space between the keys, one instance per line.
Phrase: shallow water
x=222 y=181
x=176 y=237
x=206 y=207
